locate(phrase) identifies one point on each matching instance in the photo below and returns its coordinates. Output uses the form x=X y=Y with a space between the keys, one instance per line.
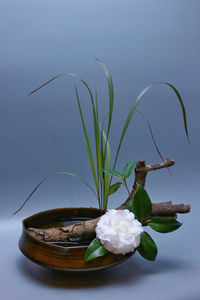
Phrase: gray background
x=141 y=42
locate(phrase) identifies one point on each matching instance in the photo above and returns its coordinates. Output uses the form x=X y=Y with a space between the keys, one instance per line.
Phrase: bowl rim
x=55 y=210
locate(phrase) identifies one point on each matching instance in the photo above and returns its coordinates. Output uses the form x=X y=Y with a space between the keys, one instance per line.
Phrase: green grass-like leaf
x=133 y=107
x=153 y=139
x=111 y=102
x=88 y=145
x=102 y=155
x=108 y=164
x=96 y=127
x=111 y=93
x=45 y=178
x=98 y=146
x=98 y=180
x=38 y=88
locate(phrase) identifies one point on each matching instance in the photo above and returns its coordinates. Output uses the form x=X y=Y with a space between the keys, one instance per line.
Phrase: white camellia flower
x=119 y=231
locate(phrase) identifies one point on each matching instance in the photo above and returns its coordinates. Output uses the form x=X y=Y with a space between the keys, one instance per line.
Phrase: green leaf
x=55 y=77
x=164 y=224
x=142 y=205
x=108 y=163
x=111 y=93
x=112 y=172
x=106 y=155
x=153 y=138
x=114 y=187
x=98 y=141
x=130 y=166
x=107 y=177
x=44 y=179
x=95 y=125
x=94 y=250
x=182 y=106
x=133 y=107
x=129 y=205
x=87 y=144
x=147 y=247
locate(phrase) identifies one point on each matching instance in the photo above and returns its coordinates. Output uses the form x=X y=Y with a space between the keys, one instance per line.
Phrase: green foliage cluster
x=141 y=206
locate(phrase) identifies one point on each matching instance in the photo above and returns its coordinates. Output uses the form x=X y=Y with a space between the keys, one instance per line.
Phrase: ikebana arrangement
x=88 y=238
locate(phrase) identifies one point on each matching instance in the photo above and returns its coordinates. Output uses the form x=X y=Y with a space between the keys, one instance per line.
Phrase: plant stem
x=124 y=180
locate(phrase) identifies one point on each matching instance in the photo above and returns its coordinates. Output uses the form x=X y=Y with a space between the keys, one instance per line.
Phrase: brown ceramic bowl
x=63 y=256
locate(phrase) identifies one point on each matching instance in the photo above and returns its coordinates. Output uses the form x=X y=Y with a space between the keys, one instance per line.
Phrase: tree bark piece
x=86 y=230
x=141 y=171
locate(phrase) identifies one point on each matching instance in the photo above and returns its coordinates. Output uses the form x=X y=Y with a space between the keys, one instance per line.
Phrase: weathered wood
x=86 y=230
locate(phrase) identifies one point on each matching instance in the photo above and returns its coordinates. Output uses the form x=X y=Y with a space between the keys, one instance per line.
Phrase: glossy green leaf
x=94 y=250
x=147 y=247
x=114 y=173
x=55 y=77
x=142 y=205
x=129 y=205
x=133 y=107
x=114 y=187
x=44 y=179
x=164 y=224
x=130 y=166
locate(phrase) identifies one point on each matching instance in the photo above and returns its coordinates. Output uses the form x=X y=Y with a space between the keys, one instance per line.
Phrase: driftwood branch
x=86 y=230
x=141 y=171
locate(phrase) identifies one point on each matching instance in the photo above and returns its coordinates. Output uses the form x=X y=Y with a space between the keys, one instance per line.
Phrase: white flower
x=119 y=231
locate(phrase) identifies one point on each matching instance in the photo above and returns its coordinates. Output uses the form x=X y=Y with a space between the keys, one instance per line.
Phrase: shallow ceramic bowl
x=63 y=256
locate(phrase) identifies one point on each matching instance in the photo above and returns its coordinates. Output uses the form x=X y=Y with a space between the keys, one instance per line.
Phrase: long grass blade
x=108 y=164
x=98 y=146
x=182 y=106
x=96 y=126
x=97 y=138
x=111 y=102
x=96 y=130
x=88 y=145
x=102 y=161
x=111 y=93
x=45 y=178
x=133 y=107
x=153 y=138
x=38 y=88
x=107 y=177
